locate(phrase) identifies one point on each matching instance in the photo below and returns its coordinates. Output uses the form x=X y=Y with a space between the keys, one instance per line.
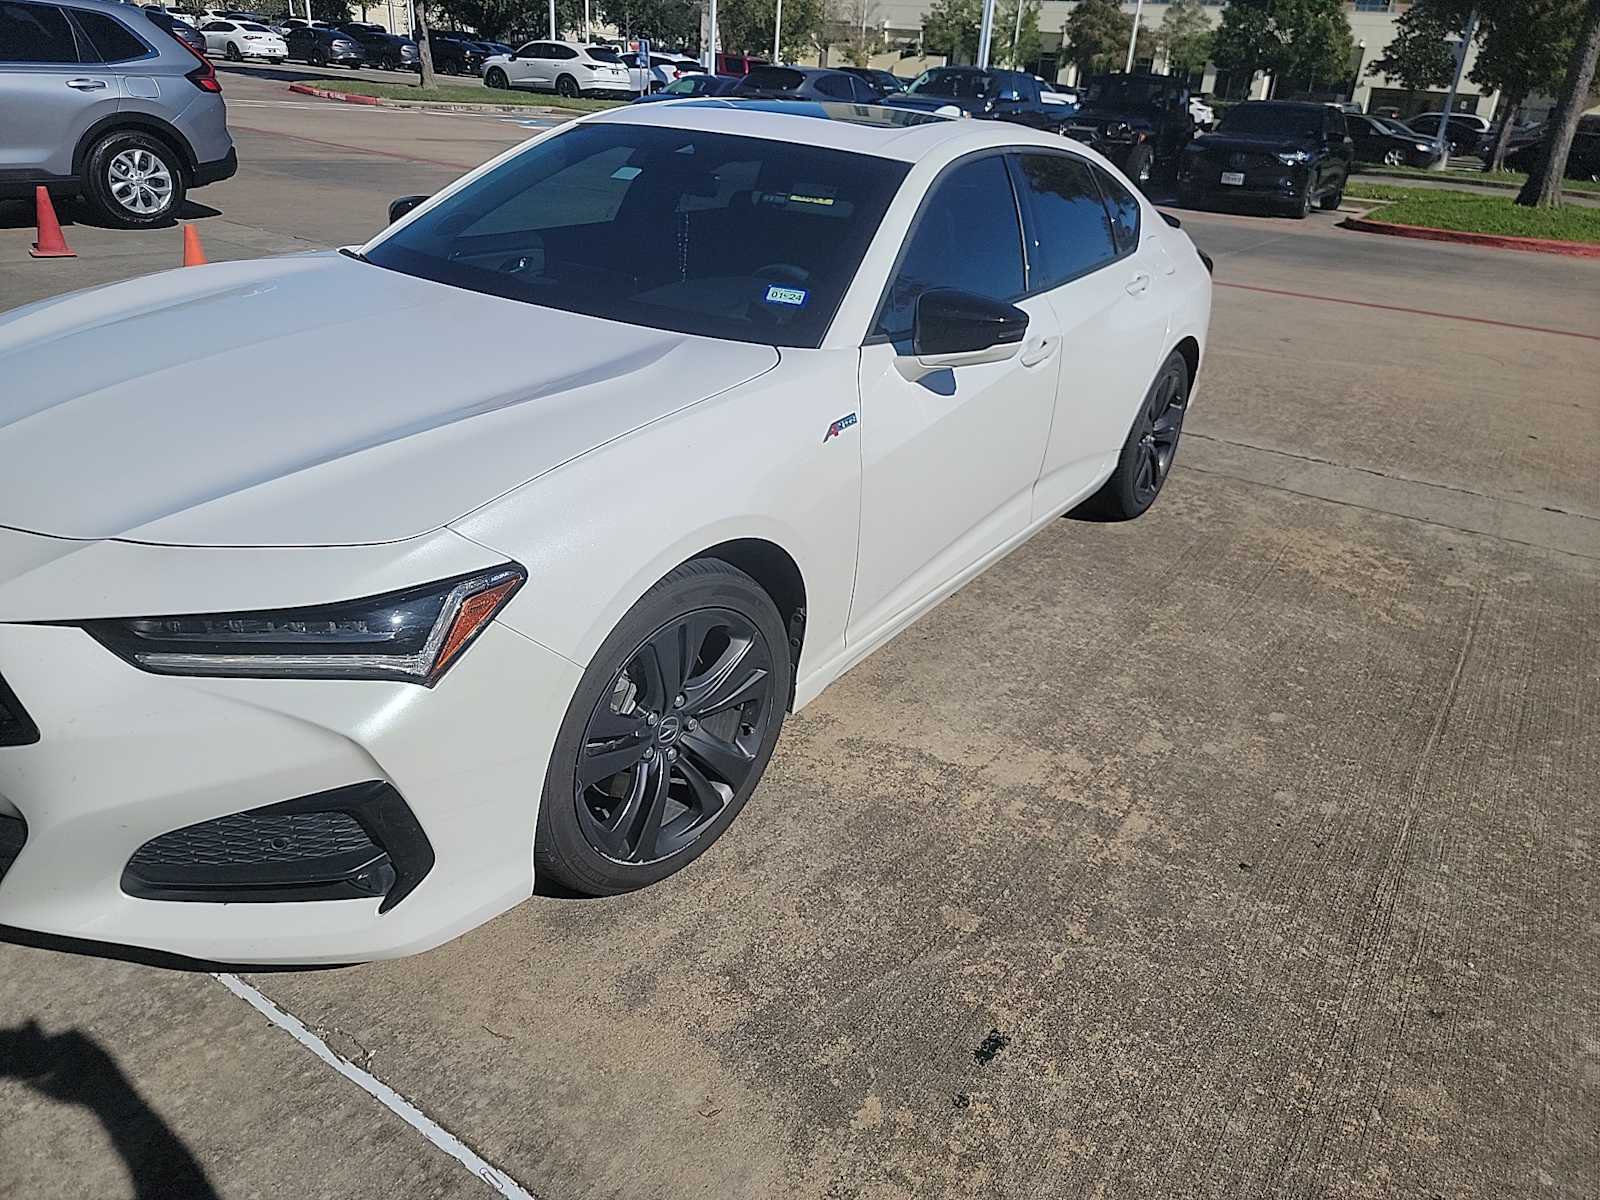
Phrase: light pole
x=986 y=33
x=1016 y=36
x=1440 y=141
x=1133 y=37
x=777 y=32
x=552 y=20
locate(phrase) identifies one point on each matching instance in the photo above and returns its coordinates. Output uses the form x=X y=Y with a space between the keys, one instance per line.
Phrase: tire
x=567 y=86
x=1152 y=446
x=232 y=53
x=496 y=78
x=599 y=834
x=133 y=180
x=1301 y=209
x=275 y=61
x=1139 y=166
x=316 y=58
x=1332 y=200
x=1394 y=158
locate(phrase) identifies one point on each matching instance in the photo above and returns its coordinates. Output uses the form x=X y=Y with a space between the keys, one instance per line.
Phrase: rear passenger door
x=49 y=96
x=1089 y=257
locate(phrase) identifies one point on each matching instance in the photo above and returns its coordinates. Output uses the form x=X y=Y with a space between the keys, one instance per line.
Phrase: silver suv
x=97 y=100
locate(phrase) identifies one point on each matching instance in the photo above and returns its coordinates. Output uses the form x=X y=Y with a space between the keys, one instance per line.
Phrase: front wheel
x=1394 y=158
x=495 y=78
x=568 y=86
x=668 y=734
x=1332 y=200
x=1148 y=454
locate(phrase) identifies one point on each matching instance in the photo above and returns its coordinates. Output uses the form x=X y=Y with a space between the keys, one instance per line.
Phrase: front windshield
x=1392 y=126
x=1130 y=91
x=730 y=237
x=1277 y=120
x=964 y=85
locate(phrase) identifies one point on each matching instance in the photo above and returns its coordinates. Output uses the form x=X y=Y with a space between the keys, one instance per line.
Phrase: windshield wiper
x=355 y=254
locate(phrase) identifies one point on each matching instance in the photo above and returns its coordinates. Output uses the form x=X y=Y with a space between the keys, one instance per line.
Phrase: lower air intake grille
x=13 y=833
x=16 y=727
x=350 y=843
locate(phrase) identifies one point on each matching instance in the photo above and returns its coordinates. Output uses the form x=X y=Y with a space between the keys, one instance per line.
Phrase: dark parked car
x=382 y=48
x=1139 y=121
x=1467 y=132
x=1381 y=140
x=884 y=81
x=453 y=54
x=1288 y=155
x=1583 y=163
x=987 y=94
x=320 y=47
x=182 y=30
x=805 y=83
x=687 y=86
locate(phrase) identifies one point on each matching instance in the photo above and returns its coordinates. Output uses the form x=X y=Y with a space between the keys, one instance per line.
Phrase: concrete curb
x=537 y=110
x=1493 y=240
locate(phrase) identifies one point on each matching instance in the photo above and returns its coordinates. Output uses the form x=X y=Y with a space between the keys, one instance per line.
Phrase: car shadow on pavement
x=20 y=214
x=72 y=1068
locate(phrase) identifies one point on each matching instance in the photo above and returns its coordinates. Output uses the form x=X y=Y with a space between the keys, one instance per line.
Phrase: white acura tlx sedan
x=329 y=660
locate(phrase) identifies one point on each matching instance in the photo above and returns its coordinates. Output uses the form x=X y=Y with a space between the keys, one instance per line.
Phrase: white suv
x=566 y=68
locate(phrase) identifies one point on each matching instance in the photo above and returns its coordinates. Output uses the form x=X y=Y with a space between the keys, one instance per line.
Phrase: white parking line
x=378 y=1090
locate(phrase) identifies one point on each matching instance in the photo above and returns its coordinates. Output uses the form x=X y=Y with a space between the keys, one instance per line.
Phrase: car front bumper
x=123 y=757
x=1278 y=185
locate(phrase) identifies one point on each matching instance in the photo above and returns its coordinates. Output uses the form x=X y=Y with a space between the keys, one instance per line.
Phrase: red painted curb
x=324 y=94
x=1495 y=240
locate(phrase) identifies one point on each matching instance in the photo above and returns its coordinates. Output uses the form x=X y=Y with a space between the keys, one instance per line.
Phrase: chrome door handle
x=86 y=85
x=1139 y=283
x=1040 y=351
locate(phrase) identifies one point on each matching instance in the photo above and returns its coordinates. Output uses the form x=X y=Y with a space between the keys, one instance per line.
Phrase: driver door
x=949 y=457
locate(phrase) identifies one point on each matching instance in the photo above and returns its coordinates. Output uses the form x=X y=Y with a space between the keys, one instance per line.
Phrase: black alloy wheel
x=1148 y=453
x=1161 y=420
x=495 y=78
x=232 y=53
x=676 y=736
x=668 y=733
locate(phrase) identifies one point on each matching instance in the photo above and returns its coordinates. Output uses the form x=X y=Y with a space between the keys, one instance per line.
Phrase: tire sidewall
x=97 y=187
x=1119 y=498
x=560 y=845
x=496 y=79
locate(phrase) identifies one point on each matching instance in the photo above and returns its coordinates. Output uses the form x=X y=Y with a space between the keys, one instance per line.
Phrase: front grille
x=1241 y=160
x=353 y=842
x=13 y=833
x=16 y=727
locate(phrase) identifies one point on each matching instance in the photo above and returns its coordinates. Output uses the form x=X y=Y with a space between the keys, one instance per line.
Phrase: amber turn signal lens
x=474 y=614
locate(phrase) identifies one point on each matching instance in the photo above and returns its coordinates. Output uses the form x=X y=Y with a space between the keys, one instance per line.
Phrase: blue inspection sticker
x=786 y=295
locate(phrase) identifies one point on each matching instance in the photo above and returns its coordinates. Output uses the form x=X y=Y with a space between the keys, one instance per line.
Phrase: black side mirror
x=399 y=208
x=962 y=327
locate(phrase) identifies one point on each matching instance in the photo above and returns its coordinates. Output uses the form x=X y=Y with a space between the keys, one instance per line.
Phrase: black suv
x=1287 y=155
x=382 y=48
x=453 y=54
x=1584 y=161
x=986 y=94
x=320 y=46
x=1141 y=122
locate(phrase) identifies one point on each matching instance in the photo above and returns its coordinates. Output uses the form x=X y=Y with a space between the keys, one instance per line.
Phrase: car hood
x=229 y=405
x=1260 y=143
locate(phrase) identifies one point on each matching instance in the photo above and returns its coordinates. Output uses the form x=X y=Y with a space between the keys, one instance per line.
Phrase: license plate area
x=1233 y=178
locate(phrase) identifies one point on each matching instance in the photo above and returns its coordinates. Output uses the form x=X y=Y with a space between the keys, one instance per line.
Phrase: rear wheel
x=1394 y=158
x=233 y=53
x=668 y=734
x=1139 y=166
x=133 y=180
x=568 y=86
x=1152 y=445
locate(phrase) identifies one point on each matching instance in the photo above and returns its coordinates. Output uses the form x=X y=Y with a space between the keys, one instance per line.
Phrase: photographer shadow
x=72 y=1068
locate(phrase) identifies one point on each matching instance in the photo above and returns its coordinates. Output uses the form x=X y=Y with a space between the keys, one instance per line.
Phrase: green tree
x=747 y=26
x=950 y=27
x=1015 y=43
x=671 y=23
x=1300 y=40
x=1095 y=36
x=1420 y=56
x=1186 y=33
x=1543 y=189
x=1525 y=46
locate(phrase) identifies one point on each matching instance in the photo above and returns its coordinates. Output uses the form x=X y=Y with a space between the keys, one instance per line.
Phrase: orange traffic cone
x=50 y=244
x=193 y=256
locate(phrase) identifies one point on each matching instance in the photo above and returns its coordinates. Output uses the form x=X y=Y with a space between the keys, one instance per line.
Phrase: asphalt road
x=1245 y=850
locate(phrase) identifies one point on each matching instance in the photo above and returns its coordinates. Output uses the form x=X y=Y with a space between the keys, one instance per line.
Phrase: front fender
x=754 y=462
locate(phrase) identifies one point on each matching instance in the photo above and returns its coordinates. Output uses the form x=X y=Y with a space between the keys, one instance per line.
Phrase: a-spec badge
x=840 y=426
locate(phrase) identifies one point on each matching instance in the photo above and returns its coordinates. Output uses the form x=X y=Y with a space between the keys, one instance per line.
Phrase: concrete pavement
x=1248 y=849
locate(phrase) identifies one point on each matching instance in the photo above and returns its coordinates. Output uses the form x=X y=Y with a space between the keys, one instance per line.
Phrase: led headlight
x=1295 y=158
x=412 y=635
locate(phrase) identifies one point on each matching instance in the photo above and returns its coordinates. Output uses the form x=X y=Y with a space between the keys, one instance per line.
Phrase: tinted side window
x=1337 y=127
x=1124 y=208
x=966 y=237
x=1071 y=227
x=112 y=40
x=563 y=52
x=834 y=86
x=35 y=33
